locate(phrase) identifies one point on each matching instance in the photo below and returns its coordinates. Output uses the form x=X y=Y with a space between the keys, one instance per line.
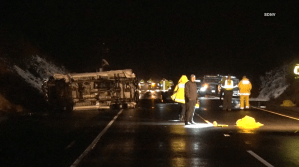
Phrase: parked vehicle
x=211 y=85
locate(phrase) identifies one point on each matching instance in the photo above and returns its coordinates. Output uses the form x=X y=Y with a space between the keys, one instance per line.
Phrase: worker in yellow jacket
x=179 y=96
x=244 y=91
x=149 y=83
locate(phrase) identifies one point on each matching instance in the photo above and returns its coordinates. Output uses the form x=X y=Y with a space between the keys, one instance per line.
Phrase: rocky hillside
x=21 y=80
x=280 y=84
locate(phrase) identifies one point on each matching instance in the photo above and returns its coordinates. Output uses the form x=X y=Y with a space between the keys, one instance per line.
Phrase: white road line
x=277 y=113
x=95 y=141
x=260 y=158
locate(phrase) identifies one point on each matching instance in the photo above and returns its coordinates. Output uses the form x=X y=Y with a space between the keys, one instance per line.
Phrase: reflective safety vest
x=179 y=90
x=245 y=87
x=165 y=85
x=228 y=84
x=141 y=82
x=149 y=81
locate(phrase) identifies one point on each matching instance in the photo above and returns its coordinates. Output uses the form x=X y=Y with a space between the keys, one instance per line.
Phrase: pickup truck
x=211 y=85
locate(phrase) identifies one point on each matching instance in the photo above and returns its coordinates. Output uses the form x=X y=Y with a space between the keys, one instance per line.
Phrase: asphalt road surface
x=150 y=135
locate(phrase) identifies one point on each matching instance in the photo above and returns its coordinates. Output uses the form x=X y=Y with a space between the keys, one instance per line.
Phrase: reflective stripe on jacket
x=165 y=85
x=228 y=84
x=245 y=86
x=179 y=90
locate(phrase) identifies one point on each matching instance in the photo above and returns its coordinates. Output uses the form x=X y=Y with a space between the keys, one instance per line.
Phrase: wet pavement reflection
x=152 y=135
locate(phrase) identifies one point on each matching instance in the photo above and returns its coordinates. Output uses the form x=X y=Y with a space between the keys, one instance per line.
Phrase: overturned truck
x=98 y=90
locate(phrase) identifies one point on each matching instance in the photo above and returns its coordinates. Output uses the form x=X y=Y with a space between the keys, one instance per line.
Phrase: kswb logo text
x=269 y=14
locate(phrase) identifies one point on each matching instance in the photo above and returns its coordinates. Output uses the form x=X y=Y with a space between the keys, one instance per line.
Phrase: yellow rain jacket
x=179 y=90
x=244 y=86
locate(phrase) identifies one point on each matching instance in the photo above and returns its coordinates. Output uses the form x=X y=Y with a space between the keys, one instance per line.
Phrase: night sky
x=159 y=39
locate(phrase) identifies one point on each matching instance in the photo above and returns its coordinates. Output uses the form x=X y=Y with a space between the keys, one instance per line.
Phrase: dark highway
x=88 y=84
x=150 y=135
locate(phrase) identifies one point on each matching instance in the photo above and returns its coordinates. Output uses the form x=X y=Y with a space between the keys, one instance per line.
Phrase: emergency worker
x=149 y=82
x=141 y=83
x=228 y=93
x=179 y=96
x=245 y=88
x=221 y=85
x=190 y=99
x=165 y=85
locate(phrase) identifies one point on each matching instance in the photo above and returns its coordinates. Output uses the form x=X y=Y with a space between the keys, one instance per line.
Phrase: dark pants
x=221 y=91
x=227 y=99
x=164 y=96
x=182 y=110
x=190 y=106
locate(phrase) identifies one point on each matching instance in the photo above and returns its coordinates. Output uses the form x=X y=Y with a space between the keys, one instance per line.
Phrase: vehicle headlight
x=205 y=86
x=202 y=89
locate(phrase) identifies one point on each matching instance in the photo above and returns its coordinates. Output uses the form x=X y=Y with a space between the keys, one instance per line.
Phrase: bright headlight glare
x=205 y=85
x=203 y=89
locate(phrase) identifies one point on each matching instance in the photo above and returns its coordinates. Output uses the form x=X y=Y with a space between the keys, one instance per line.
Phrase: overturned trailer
x=98 y=90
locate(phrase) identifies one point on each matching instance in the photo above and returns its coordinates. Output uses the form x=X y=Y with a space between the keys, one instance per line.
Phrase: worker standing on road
x=245 y=88
x=149 y=82
x=165 y=85
x=190 y=99
x=141 y=83
x=179 y=96
x=228 y=93
x=221 y=85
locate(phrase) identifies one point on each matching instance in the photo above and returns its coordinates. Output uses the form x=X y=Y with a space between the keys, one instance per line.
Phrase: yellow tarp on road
x=248 y=123
x=287 y=103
